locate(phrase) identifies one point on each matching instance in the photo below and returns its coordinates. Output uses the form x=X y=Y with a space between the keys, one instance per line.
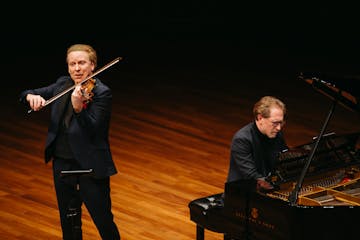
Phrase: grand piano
x=317 y=194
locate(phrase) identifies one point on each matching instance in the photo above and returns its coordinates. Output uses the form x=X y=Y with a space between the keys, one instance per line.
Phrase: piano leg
x=199 y=232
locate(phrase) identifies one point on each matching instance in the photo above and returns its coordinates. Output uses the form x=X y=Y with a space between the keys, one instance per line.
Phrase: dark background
x=175 y=41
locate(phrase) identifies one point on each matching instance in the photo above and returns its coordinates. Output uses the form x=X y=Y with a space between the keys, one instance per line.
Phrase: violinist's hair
x=86 y=48
x=263 y=106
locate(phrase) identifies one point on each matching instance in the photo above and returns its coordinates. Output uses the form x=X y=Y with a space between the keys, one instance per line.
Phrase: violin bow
x=50 y=100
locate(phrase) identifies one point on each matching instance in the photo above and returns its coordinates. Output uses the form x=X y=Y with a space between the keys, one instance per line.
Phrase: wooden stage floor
x=170 y=135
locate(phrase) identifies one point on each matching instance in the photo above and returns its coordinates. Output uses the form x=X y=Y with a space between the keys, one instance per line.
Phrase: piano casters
x=74 y=208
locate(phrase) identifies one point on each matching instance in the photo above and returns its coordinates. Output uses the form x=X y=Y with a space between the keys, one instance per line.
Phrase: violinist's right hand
x=36 y=102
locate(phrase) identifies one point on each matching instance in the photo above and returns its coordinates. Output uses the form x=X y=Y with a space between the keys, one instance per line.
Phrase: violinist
x=78 y=139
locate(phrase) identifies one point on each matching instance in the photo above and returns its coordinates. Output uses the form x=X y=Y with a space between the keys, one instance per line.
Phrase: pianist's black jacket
x=253 y=155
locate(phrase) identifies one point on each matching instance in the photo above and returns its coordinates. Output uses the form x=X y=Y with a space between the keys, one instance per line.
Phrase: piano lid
x=344 y=89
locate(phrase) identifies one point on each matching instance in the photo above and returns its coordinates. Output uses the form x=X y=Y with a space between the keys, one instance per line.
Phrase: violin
x=86 y=89
x=87 y=85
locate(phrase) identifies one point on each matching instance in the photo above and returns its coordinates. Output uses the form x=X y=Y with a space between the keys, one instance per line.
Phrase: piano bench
x=206 y=213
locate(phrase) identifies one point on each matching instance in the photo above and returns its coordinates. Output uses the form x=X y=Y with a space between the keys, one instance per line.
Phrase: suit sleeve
x=242 y=154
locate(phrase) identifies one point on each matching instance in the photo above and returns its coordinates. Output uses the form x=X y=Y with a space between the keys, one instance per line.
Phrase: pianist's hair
x=263 y=106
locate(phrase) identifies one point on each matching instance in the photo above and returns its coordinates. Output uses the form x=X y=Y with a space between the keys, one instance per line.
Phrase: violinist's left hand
x=77 y=99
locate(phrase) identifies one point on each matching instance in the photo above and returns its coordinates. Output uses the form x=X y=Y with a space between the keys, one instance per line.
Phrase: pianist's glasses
x=277 y=123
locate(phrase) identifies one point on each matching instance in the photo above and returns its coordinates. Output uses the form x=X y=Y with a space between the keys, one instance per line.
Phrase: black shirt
x=62 y=147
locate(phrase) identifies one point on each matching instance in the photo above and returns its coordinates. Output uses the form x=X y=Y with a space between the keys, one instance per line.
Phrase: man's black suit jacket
x=88 y=132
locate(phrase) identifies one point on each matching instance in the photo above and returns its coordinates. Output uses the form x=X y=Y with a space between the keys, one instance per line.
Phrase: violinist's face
x=79 y=65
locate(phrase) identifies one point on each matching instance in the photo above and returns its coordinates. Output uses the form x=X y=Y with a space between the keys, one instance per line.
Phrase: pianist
x=255 y=146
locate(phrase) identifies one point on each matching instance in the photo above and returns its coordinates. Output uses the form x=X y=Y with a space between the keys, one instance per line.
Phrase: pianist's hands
x=264 y=186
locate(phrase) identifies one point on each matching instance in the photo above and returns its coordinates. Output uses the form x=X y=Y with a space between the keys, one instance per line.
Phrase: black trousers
x=73 y=191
